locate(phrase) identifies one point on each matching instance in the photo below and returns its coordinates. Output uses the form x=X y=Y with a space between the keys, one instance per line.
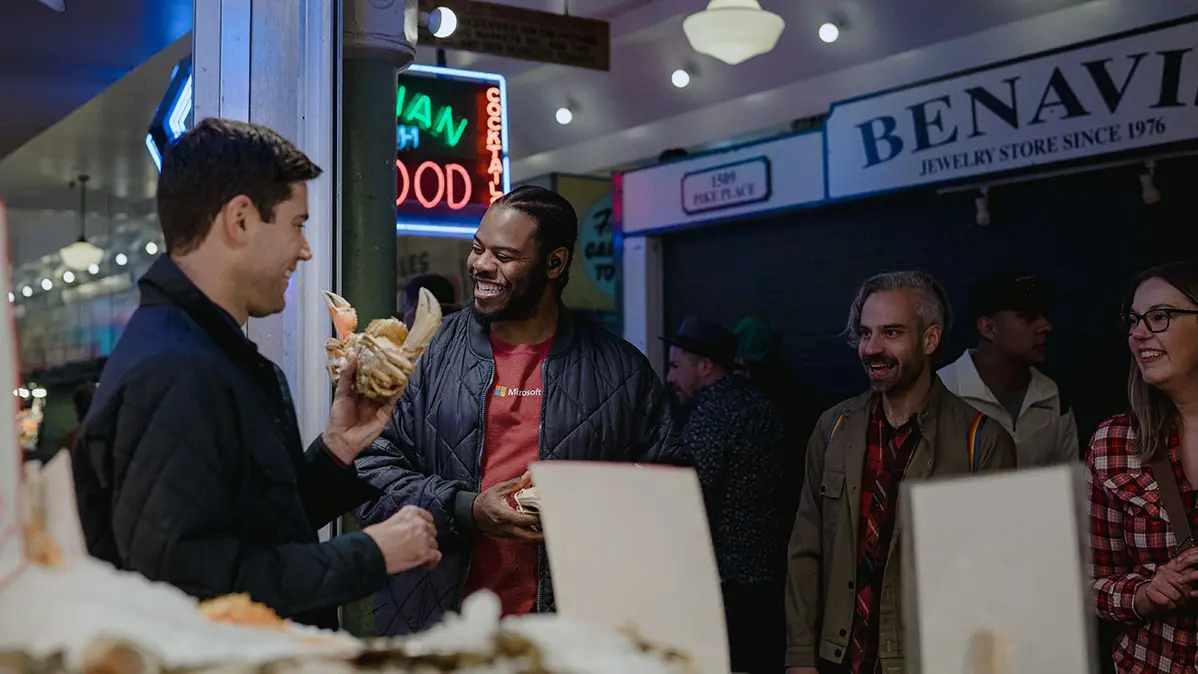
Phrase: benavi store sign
x=1125 y=92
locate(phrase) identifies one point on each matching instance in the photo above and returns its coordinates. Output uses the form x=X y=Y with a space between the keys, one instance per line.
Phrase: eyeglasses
x=1156 y=320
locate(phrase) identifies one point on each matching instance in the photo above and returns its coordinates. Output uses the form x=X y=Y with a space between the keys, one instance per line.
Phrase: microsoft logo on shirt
x=504 y=391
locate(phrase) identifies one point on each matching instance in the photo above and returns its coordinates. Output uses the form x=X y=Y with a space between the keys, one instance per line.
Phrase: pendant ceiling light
x=82 y=254
x=733 y=31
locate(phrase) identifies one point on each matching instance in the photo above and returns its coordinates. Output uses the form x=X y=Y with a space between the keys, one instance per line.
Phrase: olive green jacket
x=822 y=557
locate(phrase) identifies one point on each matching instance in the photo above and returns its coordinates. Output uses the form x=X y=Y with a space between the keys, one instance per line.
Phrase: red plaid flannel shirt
x=887 y=455
x=1128 y=539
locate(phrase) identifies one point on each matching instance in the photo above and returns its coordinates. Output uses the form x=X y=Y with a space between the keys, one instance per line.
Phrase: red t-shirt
x=505 y=566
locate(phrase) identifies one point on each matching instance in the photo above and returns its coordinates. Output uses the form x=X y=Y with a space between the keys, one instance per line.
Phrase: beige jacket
x=822 y=558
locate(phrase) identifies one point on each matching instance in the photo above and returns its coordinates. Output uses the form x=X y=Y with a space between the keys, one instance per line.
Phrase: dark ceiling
x=52 y=63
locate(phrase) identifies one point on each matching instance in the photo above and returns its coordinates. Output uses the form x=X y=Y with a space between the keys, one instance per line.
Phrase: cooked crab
x=387 y=350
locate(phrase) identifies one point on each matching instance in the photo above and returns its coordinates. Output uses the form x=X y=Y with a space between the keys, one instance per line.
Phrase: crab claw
x=424 y=326
x=345 y=317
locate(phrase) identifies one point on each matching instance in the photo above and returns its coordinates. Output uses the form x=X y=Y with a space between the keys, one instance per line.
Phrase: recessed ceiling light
x=121 y=259
x=680 y=78
x=26 y=291
x=93 y=268
x=68 y=276
x=151 y=248
x=564 y=116
x=829 y=32
x=47 y=284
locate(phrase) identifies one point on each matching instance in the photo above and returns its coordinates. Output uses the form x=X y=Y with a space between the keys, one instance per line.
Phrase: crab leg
x=345 y=317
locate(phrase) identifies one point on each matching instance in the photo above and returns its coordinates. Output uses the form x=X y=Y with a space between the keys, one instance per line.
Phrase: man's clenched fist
x=408 y=539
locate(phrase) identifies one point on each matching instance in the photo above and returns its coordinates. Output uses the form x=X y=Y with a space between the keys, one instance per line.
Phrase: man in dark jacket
x=513 y=379
x=189 y=467
x=735 y=437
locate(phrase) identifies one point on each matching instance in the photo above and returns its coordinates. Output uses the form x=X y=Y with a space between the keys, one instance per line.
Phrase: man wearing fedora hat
x=735 y=437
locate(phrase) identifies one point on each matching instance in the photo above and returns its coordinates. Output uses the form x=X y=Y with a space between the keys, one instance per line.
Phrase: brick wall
x=1089 y=233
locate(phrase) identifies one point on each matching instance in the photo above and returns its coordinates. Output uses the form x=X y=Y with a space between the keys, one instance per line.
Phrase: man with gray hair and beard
x=843 y=568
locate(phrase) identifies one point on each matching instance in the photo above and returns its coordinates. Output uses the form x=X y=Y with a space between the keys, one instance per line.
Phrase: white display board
x=12 y=540
x=1001 y=556
x=629 y=546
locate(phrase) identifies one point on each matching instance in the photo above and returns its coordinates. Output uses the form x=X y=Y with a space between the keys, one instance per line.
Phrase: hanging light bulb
x=733 y=31
x=82 y=253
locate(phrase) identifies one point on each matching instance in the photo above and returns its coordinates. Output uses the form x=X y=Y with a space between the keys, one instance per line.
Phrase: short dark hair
x=216 y=161
x=441 y=288
x=557 y=221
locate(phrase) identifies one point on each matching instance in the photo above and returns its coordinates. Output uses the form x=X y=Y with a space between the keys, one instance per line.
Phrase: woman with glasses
x=1142 y=468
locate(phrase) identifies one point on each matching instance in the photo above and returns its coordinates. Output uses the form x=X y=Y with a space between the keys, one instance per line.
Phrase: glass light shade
x=733 y=31
x=81 y=255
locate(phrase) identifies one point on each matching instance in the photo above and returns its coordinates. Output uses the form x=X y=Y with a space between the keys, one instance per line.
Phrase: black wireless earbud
x=555 y=263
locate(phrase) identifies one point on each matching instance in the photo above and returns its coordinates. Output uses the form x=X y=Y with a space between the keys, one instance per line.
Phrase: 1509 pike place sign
x=1126 y=92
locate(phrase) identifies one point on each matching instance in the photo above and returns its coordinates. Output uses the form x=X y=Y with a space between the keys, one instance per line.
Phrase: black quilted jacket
x=190 y=470
x=602 y=402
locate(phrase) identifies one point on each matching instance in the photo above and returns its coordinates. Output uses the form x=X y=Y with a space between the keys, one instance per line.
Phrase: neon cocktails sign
x=451 y=148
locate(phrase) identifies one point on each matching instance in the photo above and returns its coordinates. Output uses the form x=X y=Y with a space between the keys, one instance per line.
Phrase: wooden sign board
x=531 y=35
x=995 y=574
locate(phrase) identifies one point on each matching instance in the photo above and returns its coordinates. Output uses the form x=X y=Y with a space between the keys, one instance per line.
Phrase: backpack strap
x=975 y=459
x=835 y=426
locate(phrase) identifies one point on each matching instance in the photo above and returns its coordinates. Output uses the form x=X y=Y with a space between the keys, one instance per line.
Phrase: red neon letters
x=453 y=185
x=494 y=142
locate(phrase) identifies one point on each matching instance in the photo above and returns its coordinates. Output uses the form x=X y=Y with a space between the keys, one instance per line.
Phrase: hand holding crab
x=371 y=369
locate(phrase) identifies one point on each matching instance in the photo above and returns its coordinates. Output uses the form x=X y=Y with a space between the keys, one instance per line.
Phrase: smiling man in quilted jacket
x=514 y=379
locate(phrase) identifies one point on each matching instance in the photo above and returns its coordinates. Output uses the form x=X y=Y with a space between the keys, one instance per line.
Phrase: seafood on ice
x=387 y=350
x=241 y=610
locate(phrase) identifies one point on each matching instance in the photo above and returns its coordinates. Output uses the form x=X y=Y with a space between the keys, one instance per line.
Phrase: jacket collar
x=480 y=333
x=165 y=284
x=970 y=385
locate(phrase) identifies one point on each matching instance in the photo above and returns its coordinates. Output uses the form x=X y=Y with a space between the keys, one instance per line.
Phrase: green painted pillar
x=368 y=251
x=377 y=44
x=368 y=246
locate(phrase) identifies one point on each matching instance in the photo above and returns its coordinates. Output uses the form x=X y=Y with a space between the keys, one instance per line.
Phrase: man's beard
x=524 y=300
x=909 y=370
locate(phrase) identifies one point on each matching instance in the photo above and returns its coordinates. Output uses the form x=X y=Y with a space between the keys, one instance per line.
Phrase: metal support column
x=368 y=246
x=379 y=42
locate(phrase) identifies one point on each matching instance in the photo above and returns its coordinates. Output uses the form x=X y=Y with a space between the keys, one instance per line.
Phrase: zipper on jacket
x=541 y=457
x=478 y=470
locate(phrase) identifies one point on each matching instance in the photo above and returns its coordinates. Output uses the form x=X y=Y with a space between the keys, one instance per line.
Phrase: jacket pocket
x=831 y=490
x=1139 y=494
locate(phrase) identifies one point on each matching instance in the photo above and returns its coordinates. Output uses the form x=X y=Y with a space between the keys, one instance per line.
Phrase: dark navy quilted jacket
x=602 y=402
x=189 y=468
